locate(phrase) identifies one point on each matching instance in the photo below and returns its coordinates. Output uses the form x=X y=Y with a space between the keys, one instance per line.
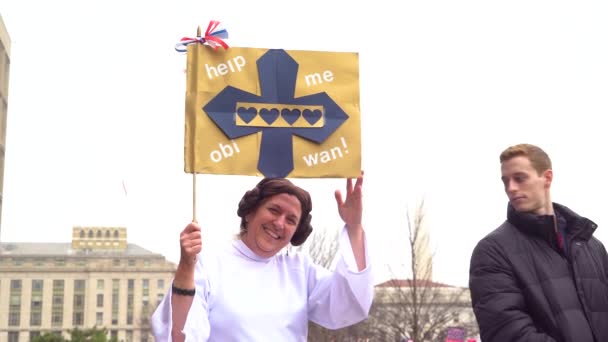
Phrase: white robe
x=243 y=297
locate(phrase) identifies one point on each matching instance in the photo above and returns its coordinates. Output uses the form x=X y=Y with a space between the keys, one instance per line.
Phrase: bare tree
x=322 y=248
x=419 y=308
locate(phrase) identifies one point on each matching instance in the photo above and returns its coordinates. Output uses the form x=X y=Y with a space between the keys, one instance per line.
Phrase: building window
x=99 y=234
x=37 y=285
x=130 y=300
x=131 y=262
x=107 y=234
x=78 y=302
x=130 y=308
x=116 y=234
x=36 y=302
x=14 y=307
x=16 y=284
x=79 y=285
x=56 y=318
x=99 y=319
x=34 y=334
x=13 y=336
x=35 y=319
x=100 y=284
x=145 y=284
x=57 y=308
x=116 y=262
x=77 y=318
x=82 y=234
x=160 y=283
x=115 y=292
x=129 y=336
x=90 y=234
x=13 y=318
x=58 y=286
x=100 y=300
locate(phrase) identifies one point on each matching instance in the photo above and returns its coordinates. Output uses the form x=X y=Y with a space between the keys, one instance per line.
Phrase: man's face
x=527 y=190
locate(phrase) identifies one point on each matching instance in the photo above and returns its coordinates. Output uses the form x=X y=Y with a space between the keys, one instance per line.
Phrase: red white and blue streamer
x=214 y=37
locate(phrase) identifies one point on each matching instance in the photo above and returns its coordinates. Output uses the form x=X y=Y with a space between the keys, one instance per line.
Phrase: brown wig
x=269 y=187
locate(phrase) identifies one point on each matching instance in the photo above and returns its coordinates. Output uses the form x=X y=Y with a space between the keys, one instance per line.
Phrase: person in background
x=541 y=275
x=251 y=290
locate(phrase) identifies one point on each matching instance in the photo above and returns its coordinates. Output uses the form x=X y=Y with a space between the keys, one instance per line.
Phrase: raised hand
x=351 y=209
x=351 y=212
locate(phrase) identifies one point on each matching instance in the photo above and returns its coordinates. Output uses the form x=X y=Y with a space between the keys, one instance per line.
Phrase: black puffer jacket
x=525 y=288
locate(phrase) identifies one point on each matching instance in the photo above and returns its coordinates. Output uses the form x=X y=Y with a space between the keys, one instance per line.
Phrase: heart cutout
x=269 y=115
x=312 y=116
x=246 y=114
x=290 y=116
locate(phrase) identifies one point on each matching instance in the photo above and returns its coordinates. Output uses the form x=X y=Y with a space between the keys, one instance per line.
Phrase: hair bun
x=249 y=199
x=301 y=234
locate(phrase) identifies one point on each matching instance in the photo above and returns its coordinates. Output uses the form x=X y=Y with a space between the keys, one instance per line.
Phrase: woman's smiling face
x=271 y=226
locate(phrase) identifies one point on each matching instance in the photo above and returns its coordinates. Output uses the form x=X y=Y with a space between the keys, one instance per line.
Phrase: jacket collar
x=543 y=226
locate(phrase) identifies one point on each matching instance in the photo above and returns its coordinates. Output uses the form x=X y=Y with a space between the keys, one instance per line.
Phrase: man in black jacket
x=541 y=275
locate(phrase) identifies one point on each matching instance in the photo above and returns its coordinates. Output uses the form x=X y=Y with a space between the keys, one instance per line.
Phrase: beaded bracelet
x=182 y=292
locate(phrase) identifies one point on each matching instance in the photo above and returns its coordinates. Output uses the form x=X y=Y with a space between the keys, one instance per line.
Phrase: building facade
x=434 y=307
x=98 y=280
x=5 y=62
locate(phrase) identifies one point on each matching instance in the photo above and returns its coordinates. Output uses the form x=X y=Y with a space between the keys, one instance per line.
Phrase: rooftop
x=410 y=283
x=66 y=250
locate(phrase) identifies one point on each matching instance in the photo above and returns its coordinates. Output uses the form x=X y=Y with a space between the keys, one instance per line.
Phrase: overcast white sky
x=97 y=96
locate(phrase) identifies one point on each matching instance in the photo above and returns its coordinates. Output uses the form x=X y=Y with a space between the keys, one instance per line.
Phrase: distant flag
x=455 y=335
x=124 y=187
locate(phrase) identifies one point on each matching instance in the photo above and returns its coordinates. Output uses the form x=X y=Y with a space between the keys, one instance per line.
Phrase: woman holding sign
x=250 y=291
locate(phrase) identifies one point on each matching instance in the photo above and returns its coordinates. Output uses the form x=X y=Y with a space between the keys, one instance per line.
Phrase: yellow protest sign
x=272 y=112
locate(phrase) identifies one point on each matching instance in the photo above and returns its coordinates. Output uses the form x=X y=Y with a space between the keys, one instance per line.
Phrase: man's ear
x=548 y=175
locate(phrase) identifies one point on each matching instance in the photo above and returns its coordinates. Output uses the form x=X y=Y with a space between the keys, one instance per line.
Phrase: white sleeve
x=344 y=297
x=197 y=327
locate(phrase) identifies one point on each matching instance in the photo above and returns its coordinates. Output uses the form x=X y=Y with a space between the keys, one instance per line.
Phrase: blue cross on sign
x=277 y=72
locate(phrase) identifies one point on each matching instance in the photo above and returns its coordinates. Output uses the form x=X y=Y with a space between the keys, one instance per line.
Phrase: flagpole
x=126 y=205
x=193 y=196
x=192 y=135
